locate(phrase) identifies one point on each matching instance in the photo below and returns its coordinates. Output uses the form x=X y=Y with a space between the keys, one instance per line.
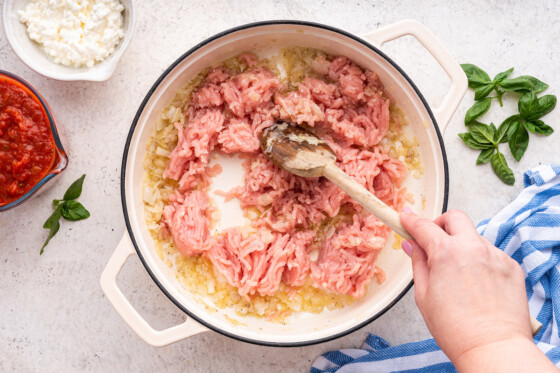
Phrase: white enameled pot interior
x=301 y=327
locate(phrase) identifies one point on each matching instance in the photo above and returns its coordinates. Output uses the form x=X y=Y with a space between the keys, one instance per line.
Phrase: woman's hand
x=471 y=294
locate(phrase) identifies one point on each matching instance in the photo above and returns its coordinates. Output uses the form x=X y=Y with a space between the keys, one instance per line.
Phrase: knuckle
x=516 y=268
x=481 y=249
x=483 y=254
x=504 y=258
x=439 y=245
x=454 y=213
x=420 y=224
x=439 y=241
x=509 y=267
x=480 y=246
x=486 y=241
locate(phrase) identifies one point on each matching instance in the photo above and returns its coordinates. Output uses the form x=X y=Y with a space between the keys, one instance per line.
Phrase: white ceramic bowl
x=33 y=56
x=300 y=328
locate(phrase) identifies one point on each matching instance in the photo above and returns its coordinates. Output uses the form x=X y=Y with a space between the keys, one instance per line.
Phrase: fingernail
x=406 y=209
x=407 y=247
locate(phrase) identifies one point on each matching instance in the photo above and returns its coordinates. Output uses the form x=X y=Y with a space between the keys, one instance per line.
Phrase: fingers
x=456 y=222
x=425 y=232
x=420 y=271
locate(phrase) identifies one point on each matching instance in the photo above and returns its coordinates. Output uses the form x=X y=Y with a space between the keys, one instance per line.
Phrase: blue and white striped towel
x=528 y=230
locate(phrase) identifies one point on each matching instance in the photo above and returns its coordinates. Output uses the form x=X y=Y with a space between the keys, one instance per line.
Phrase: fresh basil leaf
x=73 y=211
x=483 y=91
x=519 y=84
x=501 y=133
x=530 y=126
x=75 y=189
x=546 y=104
x=491 y=129
x=482 y=133
x=512 y=123
x=503 y=75
x=524 y=83
x=518 y=141
x=475 y=75
x=477 y=110
x=472 y=143
x=500 y=167
x=528 y=104
x=54 y=217
x=53 y=230
x=538 y=86
x=542 y=128
x=485 y=156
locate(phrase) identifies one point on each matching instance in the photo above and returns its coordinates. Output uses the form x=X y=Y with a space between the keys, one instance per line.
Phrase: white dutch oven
x=302 y=328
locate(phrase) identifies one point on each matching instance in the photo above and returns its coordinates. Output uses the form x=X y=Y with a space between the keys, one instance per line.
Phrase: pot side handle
x=445 y=111
x=136 y=322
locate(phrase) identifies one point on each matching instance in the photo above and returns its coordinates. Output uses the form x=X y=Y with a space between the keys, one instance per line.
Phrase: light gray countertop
x=53 y=314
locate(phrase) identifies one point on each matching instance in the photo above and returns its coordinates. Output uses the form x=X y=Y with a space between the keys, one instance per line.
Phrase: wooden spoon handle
x=365 y=198
x=535 y=326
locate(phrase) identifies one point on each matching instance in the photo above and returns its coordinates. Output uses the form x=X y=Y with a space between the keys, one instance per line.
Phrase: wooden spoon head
x=296 y=150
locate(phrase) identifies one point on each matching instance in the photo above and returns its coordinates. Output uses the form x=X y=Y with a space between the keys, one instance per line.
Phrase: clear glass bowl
x=61 y=159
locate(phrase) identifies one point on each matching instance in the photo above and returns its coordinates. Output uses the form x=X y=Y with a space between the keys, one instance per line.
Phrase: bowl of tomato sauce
x=31 y=150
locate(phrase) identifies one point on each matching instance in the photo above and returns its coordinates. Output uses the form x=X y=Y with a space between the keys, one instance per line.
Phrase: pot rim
x=133 y=128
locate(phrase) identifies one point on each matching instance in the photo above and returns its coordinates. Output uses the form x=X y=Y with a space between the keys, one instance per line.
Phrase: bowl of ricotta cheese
x=70 y=39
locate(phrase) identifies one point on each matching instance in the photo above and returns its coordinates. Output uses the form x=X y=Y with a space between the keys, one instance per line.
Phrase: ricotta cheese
x=75 y=32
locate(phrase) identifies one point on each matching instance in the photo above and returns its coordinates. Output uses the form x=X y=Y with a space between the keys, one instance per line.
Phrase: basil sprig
x=531 y=109
x=68 y=208
x=486 y=138
x=482 y=85
x=514 y=130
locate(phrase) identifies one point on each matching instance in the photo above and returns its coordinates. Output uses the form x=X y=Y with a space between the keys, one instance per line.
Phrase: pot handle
x=136 y=322
x=446 y=109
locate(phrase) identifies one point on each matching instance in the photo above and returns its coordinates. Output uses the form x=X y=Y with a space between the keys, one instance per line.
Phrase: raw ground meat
x=228 y=112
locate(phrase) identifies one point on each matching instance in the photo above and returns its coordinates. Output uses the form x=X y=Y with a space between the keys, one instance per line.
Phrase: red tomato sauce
x=27 y=148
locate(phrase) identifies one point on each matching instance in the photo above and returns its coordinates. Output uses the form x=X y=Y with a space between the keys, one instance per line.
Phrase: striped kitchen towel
x=528 y=230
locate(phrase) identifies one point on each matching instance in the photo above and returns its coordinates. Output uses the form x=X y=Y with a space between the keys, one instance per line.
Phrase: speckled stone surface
x=53 y=314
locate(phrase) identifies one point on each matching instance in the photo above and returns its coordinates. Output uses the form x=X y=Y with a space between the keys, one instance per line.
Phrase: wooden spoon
x=300 y=152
